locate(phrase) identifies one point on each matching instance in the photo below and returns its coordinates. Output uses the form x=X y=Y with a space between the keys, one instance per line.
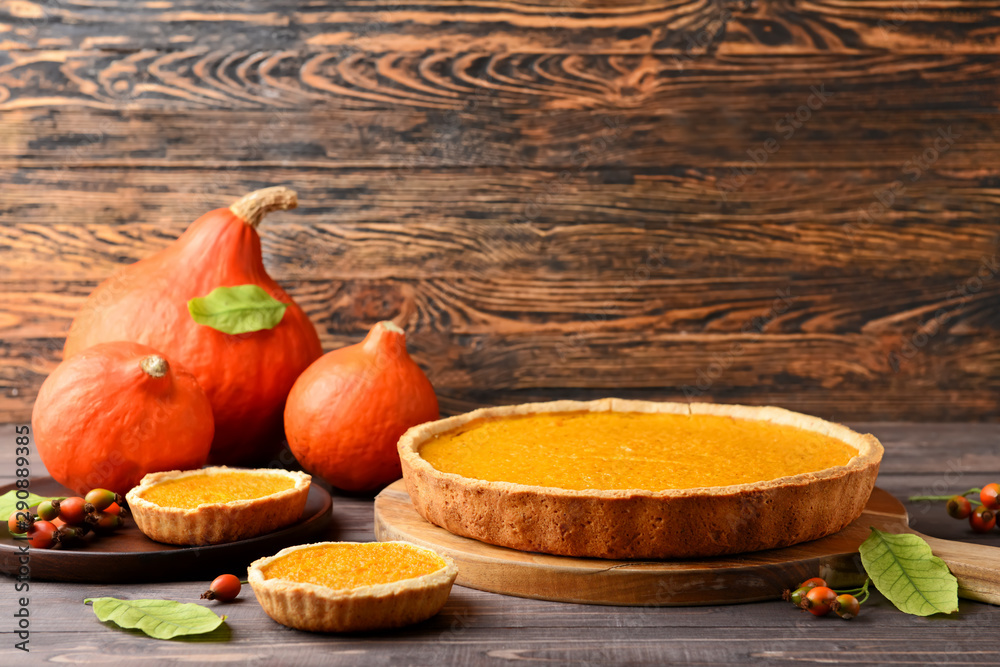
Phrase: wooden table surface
x=483 y=628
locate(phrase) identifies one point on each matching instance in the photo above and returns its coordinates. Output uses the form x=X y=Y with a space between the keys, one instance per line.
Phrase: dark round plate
x=128 y=556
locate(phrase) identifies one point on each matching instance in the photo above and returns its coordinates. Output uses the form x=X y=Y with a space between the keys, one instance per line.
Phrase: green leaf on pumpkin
x=237 y=310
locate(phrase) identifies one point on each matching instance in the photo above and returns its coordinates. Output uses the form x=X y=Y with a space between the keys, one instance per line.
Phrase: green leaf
x=9 y=501
x=904 y=570
x=160 y=619
x=237 y=310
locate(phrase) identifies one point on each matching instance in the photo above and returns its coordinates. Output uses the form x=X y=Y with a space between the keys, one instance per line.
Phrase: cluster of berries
x=818 y=599
x=982 y=518
x=61 y=522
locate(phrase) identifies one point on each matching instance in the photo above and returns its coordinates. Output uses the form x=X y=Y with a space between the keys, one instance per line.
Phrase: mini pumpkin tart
x=218 y=504
x=352 y=586
x=638 y=479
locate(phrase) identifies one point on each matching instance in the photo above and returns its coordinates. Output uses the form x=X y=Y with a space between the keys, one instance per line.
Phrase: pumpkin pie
x=637 y=479
x=352 y=586
x=218 y=504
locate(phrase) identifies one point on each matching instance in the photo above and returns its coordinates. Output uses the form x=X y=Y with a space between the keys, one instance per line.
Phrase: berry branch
x=974 y=490
x=818 y=599
x=983 y=518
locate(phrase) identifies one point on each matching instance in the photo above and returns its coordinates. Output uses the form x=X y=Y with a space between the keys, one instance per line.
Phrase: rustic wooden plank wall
x=766 y=202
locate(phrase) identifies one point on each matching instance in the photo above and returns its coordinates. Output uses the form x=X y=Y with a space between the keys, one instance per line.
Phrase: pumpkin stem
x=154 y=365
x=386 y=338
x=253 y=207
x=392 y=326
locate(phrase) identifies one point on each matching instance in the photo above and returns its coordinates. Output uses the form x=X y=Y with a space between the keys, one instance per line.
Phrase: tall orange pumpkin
x=246 y=376
x=117 y=411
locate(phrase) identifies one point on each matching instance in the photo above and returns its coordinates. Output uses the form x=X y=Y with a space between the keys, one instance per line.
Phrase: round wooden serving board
x=128 y=556
x=750 y=577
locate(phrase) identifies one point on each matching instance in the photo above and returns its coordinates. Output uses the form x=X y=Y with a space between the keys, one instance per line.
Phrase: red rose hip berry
x=819 y=600
x=73 y=510
x=42 y=535
x=846 y=606
x=100 y=499
x=813 y=583
x=959 y=507
x=48 y=510
x=224 y=588
x=19 y=522
x=982 y=519
x=990 y=496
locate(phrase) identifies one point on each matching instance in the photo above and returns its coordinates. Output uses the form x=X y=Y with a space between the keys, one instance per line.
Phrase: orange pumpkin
x=246 y=376
x=348 y=409
x=113 y=413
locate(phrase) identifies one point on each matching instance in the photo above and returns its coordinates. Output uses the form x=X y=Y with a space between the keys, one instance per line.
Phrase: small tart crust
x=216 y=523
x=621 y=524
x=316 y=608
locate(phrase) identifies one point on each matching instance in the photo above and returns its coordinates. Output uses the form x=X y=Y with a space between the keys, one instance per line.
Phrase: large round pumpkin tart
x=637 y=479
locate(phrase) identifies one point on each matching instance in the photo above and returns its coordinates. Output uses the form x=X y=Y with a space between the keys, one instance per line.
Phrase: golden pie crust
x=217 y=523
x=306 y=606
x=623 y=524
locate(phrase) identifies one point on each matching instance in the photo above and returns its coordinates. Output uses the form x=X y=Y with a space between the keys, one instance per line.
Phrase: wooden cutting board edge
x=752 y=577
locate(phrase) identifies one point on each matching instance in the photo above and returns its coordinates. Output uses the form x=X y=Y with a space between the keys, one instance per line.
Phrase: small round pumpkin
x=116 y=411
x=346 y=412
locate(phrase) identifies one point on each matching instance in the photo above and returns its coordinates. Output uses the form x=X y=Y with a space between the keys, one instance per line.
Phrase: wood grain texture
x=704 y=147
x=677 y=357
x=636 y=26
x=624 y=304
x=712 y=141
x=478 y=627
x=71 y=224
x=557 y=199
x=444 y=82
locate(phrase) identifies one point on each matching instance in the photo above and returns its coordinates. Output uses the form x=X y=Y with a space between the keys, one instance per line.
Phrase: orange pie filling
x=345 y=566
x=193 y=490
x=631 y=450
